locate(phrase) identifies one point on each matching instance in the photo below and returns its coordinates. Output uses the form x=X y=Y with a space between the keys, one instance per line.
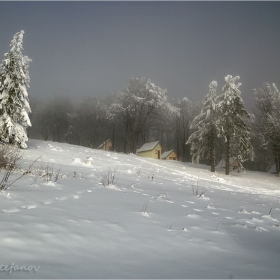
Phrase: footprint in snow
x=257 y=220
x=80 y=192
x=61 y=198
x=145 y=214
x=193 y=216
x=29 y=206
x=48 y=202
x=240 y=226
x=244 y=211
x=261 y=229
x=270 y=217
x=12 y=210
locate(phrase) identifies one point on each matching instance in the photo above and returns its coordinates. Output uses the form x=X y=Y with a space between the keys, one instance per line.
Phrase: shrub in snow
x=108 y=178
x=160 y=196
x=10 y=158
x=13 y=164
x=14 y=103
x=46 y=172
x=8 y=154
x=198 y=193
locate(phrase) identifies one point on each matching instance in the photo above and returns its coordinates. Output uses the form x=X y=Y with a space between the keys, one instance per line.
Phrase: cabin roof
x=104 y=143
x=148 y=146
x=166 y=154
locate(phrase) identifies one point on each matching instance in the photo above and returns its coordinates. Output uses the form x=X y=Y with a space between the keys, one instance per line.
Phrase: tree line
x=218 y=127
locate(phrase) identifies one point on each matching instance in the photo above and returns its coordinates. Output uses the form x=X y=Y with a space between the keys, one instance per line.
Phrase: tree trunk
x=113 y=137
x=212 y=152
x=184 y=141
x=227 y=154
x=276 y=159
x=134 y=142
x=177 y=139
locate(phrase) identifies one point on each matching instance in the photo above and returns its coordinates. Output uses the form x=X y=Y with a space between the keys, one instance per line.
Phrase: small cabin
x=150 y=150
x=169 y=155
x=106 y=146
x=234 y=164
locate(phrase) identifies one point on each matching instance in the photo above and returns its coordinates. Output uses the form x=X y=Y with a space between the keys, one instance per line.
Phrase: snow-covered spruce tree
x=267 y=120
x=134 y=109
x=14 y=104
x=231 y=122
x=203 y=138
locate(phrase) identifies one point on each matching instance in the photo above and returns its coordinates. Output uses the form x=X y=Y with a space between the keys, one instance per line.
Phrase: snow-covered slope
x=147 y=224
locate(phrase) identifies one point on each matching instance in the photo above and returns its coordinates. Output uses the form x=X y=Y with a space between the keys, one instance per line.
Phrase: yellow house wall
x=109 y=144
x=173 y=154
x=106 y=147
x=153 y=153
x=148 y=154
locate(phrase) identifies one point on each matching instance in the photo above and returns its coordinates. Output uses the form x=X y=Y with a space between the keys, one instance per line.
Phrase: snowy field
x=147 y=224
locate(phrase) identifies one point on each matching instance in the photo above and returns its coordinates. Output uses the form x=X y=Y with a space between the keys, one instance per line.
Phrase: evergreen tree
x=183 y=124
x=232 y=122
x=14 y=104
x=267 y=124
x=203 y=139
x=135 y=108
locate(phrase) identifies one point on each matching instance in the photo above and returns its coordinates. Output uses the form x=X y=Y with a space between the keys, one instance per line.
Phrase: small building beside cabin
x=150 y=150
x=169 y=155
x=234 y=164
x=106 y=146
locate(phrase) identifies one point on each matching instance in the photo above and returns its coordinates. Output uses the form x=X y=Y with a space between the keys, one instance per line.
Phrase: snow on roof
x=166 y=154
x=104 y=143
x=148 y=147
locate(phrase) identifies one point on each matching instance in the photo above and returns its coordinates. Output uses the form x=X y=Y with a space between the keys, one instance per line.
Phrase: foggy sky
x=92 y=48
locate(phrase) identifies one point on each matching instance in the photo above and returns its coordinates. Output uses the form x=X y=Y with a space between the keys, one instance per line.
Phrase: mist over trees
x=138 y=114
x=217 y=128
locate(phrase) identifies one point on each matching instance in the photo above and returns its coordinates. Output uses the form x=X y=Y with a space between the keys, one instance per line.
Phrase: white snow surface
x=145 y=224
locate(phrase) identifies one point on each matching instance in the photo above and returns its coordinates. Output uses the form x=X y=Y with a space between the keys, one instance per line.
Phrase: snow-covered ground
x=147 y=224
